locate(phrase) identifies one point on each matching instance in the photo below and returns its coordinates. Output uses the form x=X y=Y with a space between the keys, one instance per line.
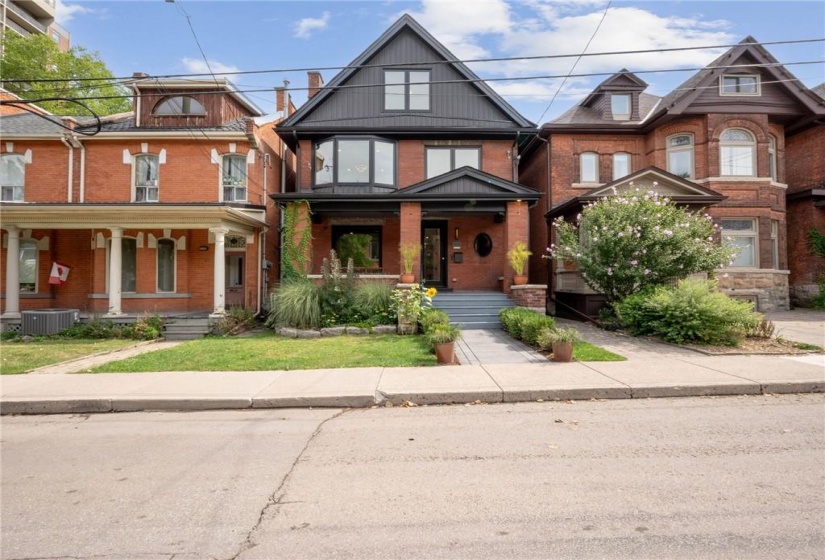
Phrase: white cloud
x=64 y=13
x=198 y=66
x=305 y=27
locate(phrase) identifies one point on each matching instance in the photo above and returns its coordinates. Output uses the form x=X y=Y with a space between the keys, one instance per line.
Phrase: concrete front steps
x=185 y=328
x=473 y=310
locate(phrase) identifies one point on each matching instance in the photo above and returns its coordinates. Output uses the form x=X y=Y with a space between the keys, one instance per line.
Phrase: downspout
x=70 y=181
x=82 y=197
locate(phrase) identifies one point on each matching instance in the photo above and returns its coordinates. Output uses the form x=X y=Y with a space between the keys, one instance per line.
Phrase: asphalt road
x=733 y=477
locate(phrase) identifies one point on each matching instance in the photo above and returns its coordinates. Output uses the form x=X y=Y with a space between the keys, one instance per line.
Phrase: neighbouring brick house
x=164 y=210
x=805 y=176
x=406 y=145
x=734 y=139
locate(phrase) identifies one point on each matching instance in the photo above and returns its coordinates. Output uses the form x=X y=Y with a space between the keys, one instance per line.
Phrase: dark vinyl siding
x=451 y=105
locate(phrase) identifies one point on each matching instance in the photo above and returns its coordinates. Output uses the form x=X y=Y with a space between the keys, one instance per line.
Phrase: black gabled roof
x=404 y=22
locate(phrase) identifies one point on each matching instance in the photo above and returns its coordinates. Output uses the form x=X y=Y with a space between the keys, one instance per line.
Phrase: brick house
x=164 y=210
x=406 y=145
x=721 y=141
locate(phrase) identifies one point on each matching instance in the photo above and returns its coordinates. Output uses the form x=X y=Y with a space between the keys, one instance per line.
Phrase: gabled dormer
x=617 y=98
x=406 y=81
x=171 y=104
x=745 y=79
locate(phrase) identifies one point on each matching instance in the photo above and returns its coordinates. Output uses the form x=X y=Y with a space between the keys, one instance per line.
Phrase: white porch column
x=12 y=310
x=115 y=268
x=219 y=271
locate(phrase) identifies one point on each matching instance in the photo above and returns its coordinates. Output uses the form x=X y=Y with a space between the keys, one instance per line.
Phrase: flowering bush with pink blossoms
x=630 y=241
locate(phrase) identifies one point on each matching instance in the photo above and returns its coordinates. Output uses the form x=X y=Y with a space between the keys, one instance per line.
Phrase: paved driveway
x=800 y=325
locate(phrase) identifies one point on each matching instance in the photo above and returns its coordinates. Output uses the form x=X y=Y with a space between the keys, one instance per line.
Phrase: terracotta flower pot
x=519 y=280
x=407 y=278
x=445 y=353
x=562 y=351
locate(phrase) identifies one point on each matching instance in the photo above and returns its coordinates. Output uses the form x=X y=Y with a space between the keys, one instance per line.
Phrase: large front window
x=736 y=151
x=407 y=90
x=363 y=161
x=128 y=264
x=680 y=155
x=146 y=178
x=741 y=233
x=362 y=244
x=234 y=178
x=441 y=160
x=12 y=177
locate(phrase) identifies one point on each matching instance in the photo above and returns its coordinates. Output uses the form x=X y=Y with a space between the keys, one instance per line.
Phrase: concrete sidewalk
x=643 y=377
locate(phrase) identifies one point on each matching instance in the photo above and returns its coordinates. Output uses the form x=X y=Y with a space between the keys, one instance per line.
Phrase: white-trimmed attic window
x=179 y=105
x=739 y=84
x=620 y=106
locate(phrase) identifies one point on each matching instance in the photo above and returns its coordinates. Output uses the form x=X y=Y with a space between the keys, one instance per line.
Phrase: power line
x=129 y=79
x=460 y=81
x=564 y=81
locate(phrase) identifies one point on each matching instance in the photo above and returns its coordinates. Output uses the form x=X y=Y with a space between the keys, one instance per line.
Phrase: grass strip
x=20 y=357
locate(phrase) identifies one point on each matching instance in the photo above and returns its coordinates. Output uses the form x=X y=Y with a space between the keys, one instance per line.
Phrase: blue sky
x=153 y=36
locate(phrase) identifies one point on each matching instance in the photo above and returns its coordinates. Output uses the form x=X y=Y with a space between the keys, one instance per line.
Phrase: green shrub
x=93 y=329
x=512 y=318
x=374 y=302
x=295 y=304
x=545 y=338
x=440 y=333
x=145 y=328
x=237 y=319
x=431 y=318
x=692 y=312
x=532 y=325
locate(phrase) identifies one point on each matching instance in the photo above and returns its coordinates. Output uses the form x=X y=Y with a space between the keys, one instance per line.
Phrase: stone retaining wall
x=767 y=288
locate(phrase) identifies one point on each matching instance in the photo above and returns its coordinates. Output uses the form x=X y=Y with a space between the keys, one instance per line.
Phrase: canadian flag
x=60 y=272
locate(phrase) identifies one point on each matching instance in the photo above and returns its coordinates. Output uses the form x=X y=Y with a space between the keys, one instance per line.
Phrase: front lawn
x=266 y=351
x=586 y=352
x=18 y=357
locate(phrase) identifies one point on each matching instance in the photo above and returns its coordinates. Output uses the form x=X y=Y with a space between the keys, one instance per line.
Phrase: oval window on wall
x=483 y=245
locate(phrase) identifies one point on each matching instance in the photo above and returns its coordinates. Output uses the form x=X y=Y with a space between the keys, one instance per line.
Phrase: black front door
x=434 y=257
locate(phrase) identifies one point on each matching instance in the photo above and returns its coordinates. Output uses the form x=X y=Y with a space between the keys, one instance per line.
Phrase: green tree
x=630 y=241
x=37 y=57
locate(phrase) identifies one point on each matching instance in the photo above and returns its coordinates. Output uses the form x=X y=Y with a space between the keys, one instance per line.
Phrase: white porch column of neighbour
x=12 y=273
x=115 y=268
x=219 y=271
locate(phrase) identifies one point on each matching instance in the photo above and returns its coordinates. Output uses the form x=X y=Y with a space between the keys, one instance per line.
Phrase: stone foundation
x=768 y=289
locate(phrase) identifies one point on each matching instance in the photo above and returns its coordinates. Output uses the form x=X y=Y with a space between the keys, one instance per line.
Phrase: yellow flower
x=431 y=292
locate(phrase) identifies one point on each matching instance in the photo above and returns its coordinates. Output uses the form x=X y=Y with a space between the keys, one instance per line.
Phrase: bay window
x=737 y=150
x=742 y=234
x=356 y=161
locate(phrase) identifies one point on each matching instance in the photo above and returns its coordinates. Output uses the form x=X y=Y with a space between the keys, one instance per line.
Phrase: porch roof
x=678 y=189
x=131 y=216
x=462 y=191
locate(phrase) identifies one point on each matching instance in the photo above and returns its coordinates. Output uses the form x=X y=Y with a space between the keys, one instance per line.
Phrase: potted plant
x=518 y=256
x=443 y=338
x=409 y=304
x=409 y=253
x=563 y=341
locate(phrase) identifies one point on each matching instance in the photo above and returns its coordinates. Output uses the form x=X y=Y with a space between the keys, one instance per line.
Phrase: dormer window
x=407 y=90
x=739 y=84
x=179 y=105
x=620 y=106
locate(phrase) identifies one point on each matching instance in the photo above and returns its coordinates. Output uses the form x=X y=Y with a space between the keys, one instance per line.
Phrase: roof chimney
x=314 y=82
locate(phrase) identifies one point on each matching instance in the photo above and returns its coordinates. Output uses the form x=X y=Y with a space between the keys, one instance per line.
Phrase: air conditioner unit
x=48 y=321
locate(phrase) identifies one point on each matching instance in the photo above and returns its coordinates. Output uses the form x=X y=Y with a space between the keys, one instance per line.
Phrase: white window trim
x=622 y=116
x=775 y=244
x=134 y=158
x=174 y=266
x=27 y=159
x=737 y=93
x=773 y=162
x=754 y=233
x=581 y=168
x=221 y=197
x=629 y=164
x=690 y=148
x=741 y=144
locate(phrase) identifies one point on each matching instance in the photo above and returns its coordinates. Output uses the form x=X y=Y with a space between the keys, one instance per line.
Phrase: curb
x=32 y=406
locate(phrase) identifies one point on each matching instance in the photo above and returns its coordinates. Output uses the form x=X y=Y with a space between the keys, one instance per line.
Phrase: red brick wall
x=536 y=174
x=805 y=152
